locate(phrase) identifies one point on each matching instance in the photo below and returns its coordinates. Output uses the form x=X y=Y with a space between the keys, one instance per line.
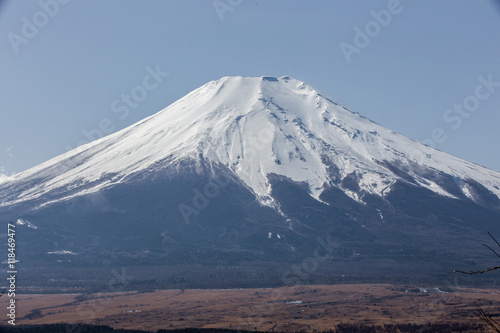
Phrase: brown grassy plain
x=299 y=308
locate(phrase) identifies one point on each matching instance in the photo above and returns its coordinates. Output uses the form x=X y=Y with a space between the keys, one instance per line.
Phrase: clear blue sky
x=61 y=78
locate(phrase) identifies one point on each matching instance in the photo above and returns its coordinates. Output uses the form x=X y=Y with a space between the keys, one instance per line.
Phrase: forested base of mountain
x=237 y=243
x=50 y=280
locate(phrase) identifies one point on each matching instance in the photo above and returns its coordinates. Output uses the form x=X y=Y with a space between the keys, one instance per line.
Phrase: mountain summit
x=257 y=126
x=247 y=170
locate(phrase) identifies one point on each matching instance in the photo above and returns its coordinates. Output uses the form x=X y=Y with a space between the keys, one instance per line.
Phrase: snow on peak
x=3 y=177
x=256 y=126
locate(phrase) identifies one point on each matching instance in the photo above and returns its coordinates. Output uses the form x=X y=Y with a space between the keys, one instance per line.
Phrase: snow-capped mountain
x=239 y=179
x=256 y=126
